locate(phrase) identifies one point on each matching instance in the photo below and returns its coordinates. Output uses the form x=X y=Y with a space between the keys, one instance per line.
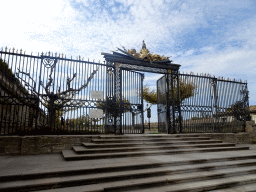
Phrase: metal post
x=179 y=102
x=149 y=116
x=168 y=113
x=142 y=107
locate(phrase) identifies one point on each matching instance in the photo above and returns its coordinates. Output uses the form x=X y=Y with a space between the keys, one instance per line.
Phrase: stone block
x=59 y=148
x=249 y=126
x=244 y=138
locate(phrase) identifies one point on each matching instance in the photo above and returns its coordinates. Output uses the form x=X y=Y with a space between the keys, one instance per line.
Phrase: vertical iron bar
x=167 y=90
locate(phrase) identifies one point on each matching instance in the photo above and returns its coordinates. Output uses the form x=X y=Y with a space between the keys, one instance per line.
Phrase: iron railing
x=52 y=94
x=207 y=104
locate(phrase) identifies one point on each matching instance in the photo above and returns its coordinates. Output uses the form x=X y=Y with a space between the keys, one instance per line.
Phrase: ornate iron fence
x=207 y=104
x=51 y=94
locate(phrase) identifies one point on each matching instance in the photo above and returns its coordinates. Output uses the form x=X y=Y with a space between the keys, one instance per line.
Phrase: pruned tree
x=239 y=110
x=186 y=91
x=54 y=102
x=113 y=107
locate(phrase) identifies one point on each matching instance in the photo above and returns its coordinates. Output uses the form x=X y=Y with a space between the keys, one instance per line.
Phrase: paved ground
x=13 y=165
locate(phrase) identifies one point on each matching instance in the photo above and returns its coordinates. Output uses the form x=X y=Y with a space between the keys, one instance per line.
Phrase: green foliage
x=4 y=68
x=186 y=91
x=113 y=108
x=7 y=72
x=150 y=96
x=80 y=121
x=239 y=110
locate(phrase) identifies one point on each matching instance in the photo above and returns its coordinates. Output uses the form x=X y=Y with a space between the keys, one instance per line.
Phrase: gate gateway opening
x=119 y=62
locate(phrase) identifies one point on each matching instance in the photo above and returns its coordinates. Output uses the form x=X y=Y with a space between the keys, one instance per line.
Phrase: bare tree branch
x=79 y=89
x=50 y=81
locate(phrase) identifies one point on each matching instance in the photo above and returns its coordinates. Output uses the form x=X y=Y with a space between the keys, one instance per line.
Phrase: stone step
x=82 y=188
x=176 y=166
x=208 y=185
x=71 y=155
x=84 y=150
x=199 y=181
x=136 y=178
x=144 y=139
x=148 y=136
x=112 y=145
x=241 y=188
x=177 y=182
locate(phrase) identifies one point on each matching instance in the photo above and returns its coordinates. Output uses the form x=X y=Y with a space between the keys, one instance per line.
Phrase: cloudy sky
x=204 y=36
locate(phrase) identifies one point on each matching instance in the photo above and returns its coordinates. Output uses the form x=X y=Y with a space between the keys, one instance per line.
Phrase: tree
x=186 y=91
x=113 y=107
x=54 y=102
x=239 y=111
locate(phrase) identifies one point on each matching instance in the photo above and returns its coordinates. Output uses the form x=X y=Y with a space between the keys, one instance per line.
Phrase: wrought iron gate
x=213 y=105
x=132 y=102
x=162 y=95
x=124 y=100
x=207 y=104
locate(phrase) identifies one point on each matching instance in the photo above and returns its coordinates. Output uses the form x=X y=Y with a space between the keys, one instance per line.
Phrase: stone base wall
x=237 y=138
x=31 y=145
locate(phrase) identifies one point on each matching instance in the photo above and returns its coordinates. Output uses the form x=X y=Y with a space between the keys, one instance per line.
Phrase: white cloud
x=87 y=28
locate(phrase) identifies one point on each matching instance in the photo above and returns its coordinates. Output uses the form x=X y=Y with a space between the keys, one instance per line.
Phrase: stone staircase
x=136 y=146
x=138 y=163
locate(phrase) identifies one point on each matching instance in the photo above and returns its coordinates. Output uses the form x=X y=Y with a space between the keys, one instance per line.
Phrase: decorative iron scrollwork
x=49 y=62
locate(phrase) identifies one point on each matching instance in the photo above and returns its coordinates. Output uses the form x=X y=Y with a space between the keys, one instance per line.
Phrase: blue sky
x=216 y=37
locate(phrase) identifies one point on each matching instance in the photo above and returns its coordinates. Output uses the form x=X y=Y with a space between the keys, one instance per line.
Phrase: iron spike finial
x=49 y=53
x=20 y=51
x=6 y=49
x=62 y=55
x=13 y=49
